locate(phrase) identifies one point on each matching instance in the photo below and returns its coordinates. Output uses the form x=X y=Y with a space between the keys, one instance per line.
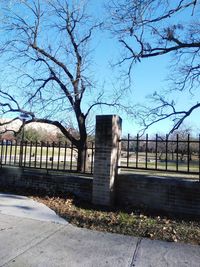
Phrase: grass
x=41 y=157
x=182 y=166
x=31 y=154
x=161 y=173
x=15 y=150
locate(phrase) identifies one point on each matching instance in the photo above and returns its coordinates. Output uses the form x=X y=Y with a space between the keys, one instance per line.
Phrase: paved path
x=26 y=242
x=24 y=207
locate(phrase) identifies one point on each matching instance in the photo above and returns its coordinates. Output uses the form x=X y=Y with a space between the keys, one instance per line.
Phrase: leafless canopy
x=153 y=28
x=45 y=49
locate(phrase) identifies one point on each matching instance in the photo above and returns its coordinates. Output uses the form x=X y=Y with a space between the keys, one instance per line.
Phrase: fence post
x=107 y=136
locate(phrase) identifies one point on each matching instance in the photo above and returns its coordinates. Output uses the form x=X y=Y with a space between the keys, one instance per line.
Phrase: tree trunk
x=82 y=162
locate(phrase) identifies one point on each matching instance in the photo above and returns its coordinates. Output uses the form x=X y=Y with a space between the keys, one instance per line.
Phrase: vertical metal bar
x=0 y=156
x=52 y=158
x=146 y=152
x=47 y=154
x=58 y=164
x=15 y=156
x=62 y=155
x=199 y=157
x=65 y=153
x=25 y=153
x=2 y=152
x=156 y=153
x=85 y=156
x=41 y=150
x=6 y=152
x=188 y=153
x=166 y=153
x=92 y=157
x=71 y=156
x=20 y=153
x=128 y=146
x=30 y=153
x=177 y=143
x=10 y=160
x=36 y=148
x=137 y=150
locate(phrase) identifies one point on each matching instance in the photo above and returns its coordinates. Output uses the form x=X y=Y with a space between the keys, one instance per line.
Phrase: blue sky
x=148 y=76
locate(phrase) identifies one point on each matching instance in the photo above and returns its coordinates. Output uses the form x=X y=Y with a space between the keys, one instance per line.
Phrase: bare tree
x=46 y=50
x=185 y=147
x=154 y=28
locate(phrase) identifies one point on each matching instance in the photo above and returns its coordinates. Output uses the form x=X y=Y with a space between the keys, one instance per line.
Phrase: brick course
x=164 y=194
x=43 y=182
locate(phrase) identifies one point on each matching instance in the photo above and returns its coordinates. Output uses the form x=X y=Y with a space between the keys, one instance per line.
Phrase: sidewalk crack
x=136 y=252
x=39 y=242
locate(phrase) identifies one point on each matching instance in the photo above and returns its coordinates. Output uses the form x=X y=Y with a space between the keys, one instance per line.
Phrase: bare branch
x=52 y=58
x=58 y=125
x=165 y=110
x=152 y=28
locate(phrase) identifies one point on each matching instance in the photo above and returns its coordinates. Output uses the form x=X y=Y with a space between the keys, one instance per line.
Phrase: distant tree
x=153 y=28
x=60 y=138
x=7 y=136
x=30 y=135
x=184 y=148
x=178 y=143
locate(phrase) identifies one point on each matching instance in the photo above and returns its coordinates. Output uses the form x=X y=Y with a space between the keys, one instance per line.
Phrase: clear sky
x=148 y=76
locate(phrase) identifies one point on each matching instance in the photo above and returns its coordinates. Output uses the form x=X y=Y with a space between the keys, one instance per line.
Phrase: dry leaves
x=129 y=223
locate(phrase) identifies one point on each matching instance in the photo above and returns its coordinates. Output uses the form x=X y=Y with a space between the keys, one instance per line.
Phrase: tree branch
x=53 y=59
x=59 y=126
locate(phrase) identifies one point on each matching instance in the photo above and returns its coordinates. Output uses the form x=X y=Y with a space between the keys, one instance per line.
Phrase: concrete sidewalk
x=25 y=207
x=28 y=242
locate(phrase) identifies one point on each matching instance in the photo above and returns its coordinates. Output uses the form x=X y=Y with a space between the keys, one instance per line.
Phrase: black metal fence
x=44 y=155
x=163 y=154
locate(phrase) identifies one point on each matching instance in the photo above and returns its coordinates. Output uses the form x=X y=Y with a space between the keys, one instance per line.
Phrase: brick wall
x=155 y=193
x=162 y=194
x=43 y=182
x=169 y=195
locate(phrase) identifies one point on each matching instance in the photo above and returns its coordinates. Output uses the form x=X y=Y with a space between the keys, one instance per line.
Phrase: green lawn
x=151 y=163
x=54 y=157
x=41 y=157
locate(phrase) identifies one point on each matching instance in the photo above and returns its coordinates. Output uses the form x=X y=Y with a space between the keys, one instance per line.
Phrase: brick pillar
x=108 y=133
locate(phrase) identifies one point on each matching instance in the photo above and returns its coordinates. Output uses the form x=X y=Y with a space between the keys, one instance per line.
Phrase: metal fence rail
x=163 y=154
x=40 y=155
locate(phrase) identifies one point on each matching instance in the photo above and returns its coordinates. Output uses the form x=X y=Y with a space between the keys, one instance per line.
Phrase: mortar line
x=39 y=242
